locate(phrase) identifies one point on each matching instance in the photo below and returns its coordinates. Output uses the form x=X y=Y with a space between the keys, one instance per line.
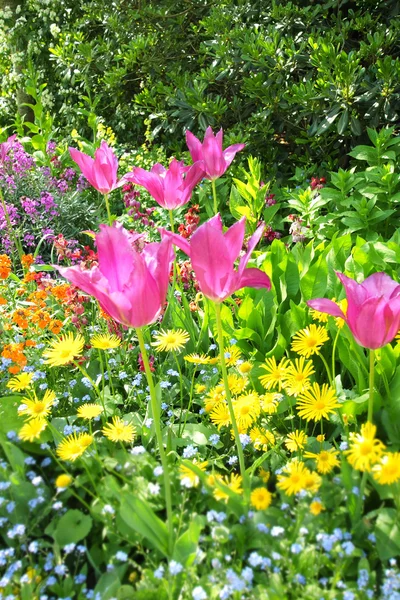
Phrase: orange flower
x=14 y=369
x=27 y=260
x=42 y=318
x=2 y=301
x=60 y=291
x=5 y=266
x=55 y=326
x=31 y=343
x=20 y=317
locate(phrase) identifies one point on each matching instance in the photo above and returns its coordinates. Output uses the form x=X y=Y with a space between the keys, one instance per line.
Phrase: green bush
x=298 y=81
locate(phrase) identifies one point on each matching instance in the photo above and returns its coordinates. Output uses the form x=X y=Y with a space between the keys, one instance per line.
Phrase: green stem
x=181 y=391
x=189 y=405
x=171 y=220
x=239 y=448
x=214 y=190
x=371 y=385
x=157 y=426
x=334 y=354
x=327 y=368
x=108 y=209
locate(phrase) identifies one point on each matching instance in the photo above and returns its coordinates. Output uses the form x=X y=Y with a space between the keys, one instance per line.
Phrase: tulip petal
x=253 y=241
x=234 y=237
x=254 y=278
x=159 y=257
x=326 y=306
x=150 y=181
x=355 y=293
x=116 y=256
x=176 y=239
x=212 y=154
x=84 y=162
x=211 y=260
x=231 y=151
x=195 y=146
x=380 y=284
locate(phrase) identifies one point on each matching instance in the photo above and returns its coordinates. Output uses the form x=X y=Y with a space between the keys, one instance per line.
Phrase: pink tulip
x=5 y=147
x=216 y=160
x=170 y=187
x=373 y=311
x=213 y=254
x=100 y=171
x=130 y=286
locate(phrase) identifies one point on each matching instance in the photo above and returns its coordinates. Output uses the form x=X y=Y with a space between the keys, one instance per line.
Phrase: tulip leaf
x=140 y=517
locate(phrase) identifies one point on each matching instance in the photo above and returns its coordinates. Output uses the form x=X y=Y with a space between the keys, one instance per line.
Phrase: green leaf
x=387 y=531
x=140 y=517
x=73 y=527
x=343 y=122
x=186 y=545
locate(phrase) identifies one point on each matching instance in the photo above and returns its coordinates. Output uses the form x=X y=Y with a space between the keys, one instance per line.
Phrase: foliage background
x=297 y=81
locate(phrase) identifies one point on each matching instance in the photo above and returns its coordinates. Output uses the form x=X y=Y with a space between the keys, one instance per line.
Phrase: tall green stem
x=327 y=368
x=229 y=401
x=214 y=190
x=157 y=426
x=371 y=385
x=108 y=209
x=334 y=354
x=171 y=220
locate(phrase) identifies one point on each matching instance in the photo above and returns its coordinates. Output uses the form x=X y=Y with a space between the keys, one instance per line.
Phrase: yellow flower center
x=320 y=405
x=38 y=408
x=366 y=448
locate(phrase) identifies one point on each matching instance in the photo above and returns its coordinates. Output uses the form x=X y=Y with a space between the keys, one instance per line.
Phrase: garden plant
x=200 y=352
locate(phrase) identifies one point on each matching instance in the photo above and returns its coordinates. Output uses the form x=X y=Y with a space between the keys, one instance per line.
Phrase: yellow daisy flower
x=199 y=388
x=262 y=438
x=170 y=340
x=89 y=411
x=298 y=376
x=260 y=498
x=105 y=341
x=318 y=316
x=20 y=382
x=247 y=409
x=73 y=446
x=309 y=341
x=316 y=507
x=245 y=367
x=296 y=440
x=236 y=384
x=63 y=481
x=197 y=359
x=32 y=429
x=312 y=481
x=220 y=415
x=232 y=355
x=214 y=397
x=64 y=349
x=326 y=460
x=387 y=471
x=189 y=478
x=317 y=402
x=265 y=475
x=38 y=408
x=233 y=482
x=365 y=449
x=269 y=402
x=342 y=304
x=119 y=431
x=275 y=374
x=293 y=477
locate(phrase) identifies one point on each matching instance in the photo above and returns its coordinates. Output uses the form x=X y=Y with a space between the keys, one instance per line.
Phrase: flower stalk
x=156 y=416
x=229 y=402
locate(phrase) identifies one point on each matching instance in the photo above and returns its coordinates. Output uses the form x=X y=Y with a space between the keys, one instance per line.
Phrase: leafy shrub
x=299 y=83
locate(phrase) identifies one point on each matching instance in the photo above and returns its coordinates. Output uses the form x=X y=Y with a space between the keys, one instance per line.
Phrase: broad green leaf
x=186 y=545
x=73 y=527
x=387 y=531
x=140 y=517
